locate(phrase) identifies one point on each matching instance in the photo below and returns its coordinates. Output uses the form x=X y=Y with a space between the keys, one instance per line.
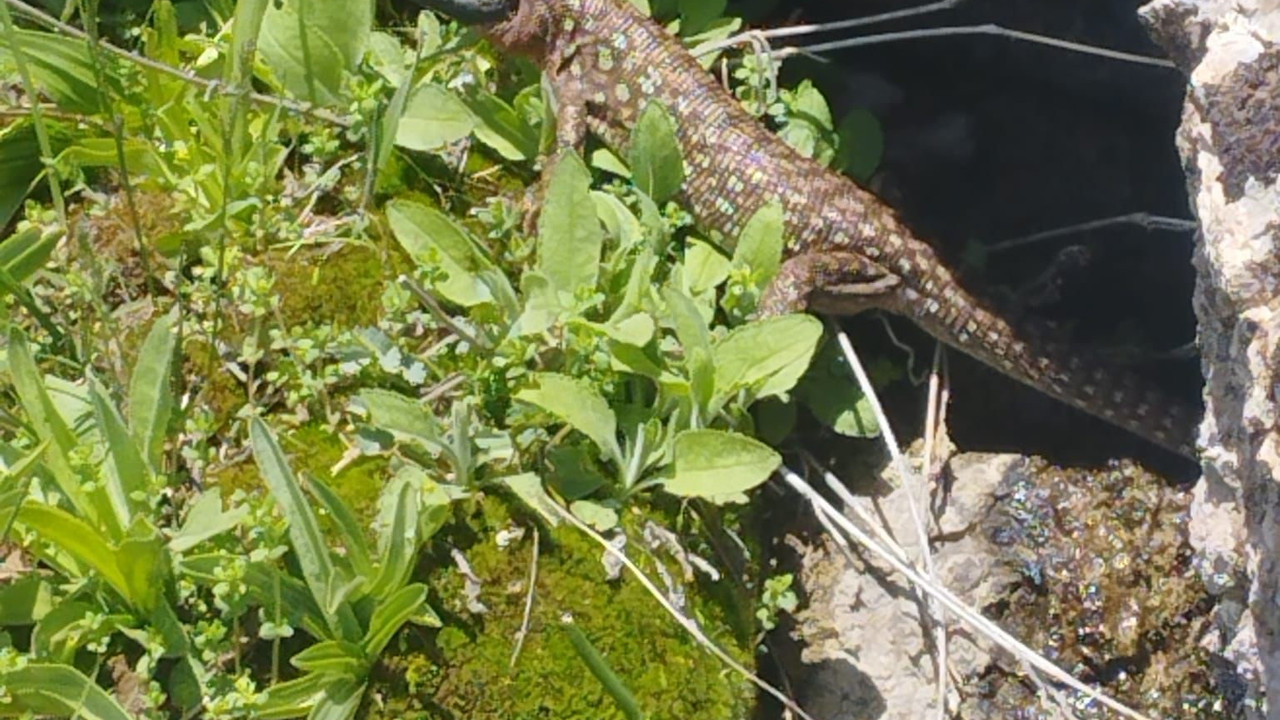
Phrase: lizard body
x=846 y=251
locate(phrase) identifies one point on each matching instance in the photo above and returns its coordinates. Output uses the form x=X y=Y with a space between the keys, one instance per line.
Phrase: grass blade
x=599 y=667
x=304 y=531
x=151 y=388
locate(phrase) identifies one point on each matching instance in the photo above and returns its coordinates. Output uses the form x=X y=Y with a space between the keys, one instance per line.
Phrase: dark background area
x=989 y=138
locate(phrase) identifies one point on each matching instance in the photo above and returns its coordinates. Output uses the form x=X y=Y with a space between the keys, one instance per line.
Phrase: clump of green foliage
x=229 y=236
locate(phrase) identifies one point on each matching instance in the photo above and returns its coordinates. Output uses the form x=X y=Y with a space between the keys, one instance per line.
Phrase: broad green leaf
x=404 y=418
x=151 y=388
x=695 y=338
x=80 y=542
x=390 y=614
x=833 y=395
x=25 y=600
x=541 y=305
x=398 y=541
x=766 y=356
x=431 y=237
x=304 y=531
x=333 y=658
x=761 y=243
x=20 y=168
x=635 y=330
x=389 y=125
x=144 y=566
x=353 y=536
x=696 y=15
x=569 y=233
x=603 y=672
x=61 y=68
x=57 y=690
x=23 y=253
x=309 y=45
x=500 y=127
x=48 y=423
x=293 y=698
x=809 y=127
x=713 y=463
x=90 y=152
x=704 y=267
x=206 y=519
x=594 y=514
x=861 y=144
x=340 y=701
x=128 y=478
x=433 y=117
x=619 y=222
x=657 y=167
x=578 y=404
x=15 y=475
x=528 y=487
x=572 y=472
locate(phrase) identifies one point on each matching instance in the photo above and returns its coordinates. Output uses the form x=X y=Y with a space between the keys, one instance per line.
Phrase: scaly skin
x=846 y=250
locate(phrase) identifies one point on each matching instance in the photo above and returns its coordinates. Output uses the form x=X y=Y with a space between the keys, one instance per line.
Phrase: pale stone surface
x=1230 y=144
x=863 y=624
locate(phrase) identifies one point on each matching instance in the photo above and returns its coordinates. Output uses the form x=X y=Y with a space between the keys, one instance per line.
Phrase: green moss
x=342 y=288
x=669 y=674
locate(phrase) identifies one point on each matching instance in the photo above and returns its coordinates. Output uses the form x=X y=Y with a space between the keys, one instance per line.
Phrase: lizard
x=846 y=250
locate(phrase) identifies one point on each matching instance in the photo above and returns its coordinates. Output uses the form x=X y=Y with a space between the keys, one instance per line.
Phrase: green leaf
x=861 y=144
x=144 y=565
x=340 y=701
x=704 y=267
x=500 y=127
x=594 y=514
x=128 y=477
x=569 y=232
x=833 y=395
x=309 y=45
x=809 y=127
x=61 y=68
x=431 y=237
x=48 y=423
x=78 y=541
x=24 y=601
x=57 y=690
x=602 y=671
x=390 y=614
x=657 y=167
x=696 y=15
x=766 y=356
x=695 y=337
x=206 y=519
x=353 y=537
x=20 y=167
x=398 y=541
x=333 y=658
x=580 y=405
x=293 y=698
x=528 y=487
x=760 y=245
x=433 y=118
x=712 y=464
x=542 y=305
x=151 y=388
x=405 y=418
x=23 y=253
x=304 y=531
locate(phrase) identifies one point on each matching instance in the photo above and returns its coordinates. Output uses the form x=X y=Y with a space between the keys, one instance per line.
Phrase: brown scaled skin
x=846 y=250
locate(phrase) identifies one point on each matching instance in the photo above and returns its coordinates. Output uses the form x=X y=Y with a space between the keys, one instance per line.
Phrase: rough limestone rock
x=1230 y=144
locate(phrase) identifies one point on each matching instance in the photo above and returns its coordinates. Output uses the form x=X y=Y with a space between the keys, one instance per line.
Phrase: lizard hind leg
x=835 y=283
